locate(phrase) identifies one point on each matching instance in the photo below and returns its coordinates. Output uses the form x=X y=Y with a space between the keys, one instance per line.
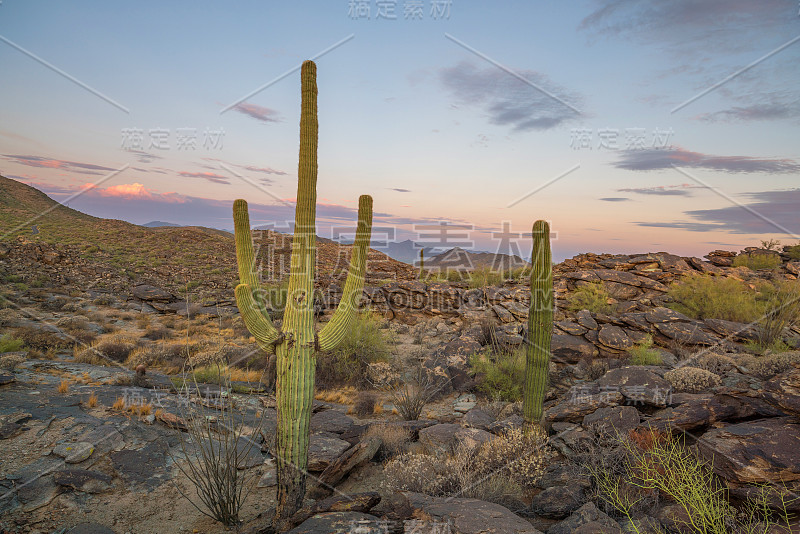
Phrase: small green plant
x=10 y=344
x=643 y=353
x=367 y=343
x=793 y=251
x=501 y=376
x=757 y=261
x=592 y=297
x=484 y=277
x=192 y=284
x=708 y=297
x=780 y=303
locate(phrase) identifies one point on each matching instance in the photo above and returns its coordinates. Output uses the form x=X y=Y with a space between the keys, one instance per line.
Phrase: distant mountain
x=459 y=259
x=157 y=224
x=406 y=251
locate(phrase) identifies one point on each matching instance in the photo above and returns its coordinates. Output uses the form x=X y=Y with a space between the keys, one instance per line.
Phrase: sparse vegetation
x=9 y=343
x=500 y=376
x=63 y=387
x=347 y=364
x=692 y=379
x=91 y=402
x=498 y=471
x=757 y=261
x=643 y=353
x=484 y=277
x=591 y=296
x=365 y=403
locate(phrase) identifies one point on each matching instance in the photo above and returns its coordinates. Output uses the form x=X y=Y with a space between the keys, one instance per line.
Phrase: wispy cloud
x=507 y=100
x=258 y=112
x=680 y=190
x=210 y=176
x=657 y=159
x=615 y=199
x=765 y=111
x=52 y=163
x=691 y=226
x=781 y=207
x=399 y=190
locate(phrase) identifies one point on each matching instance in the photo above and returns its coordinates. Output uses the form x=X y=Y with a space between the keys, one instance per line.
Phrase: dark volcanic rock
x=571 y=349
x=557 y=502
x=337 y=523
x=783 y=391
x=613 y=420
x=586 y=514
x=468 y=516
x=83 y=480
x=614 y=337
x=637 y=384
x=152 y=293
x=331 y=421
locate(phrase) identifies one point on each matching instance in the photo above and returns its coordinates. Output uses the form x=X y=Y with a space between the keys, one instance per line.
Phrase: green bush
x=484 y=277
x=366 y=344
x=10 y=344
x=592 y=297
x=707 y=297
x=757 y=261
x=643 y=353
x=500 y=376
x=793 y=251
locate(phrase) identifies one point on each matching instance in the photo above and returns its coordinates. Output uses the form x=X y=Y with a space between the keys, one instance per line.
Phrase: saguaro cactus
x=540 y=325
x=421 y=263
x=296 y=343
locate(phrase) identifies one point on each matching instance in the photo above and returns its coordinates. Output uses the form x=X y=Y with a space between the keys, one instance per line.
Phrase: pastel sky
x=630 y=126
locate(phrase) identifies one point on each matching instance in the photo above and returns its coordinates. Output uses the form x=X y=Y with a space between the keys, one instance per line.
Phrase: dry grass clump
x=63 y=387
x=119 y=405
x=112 y=348
x=42 y=340
x=157 y=333
x=499 y=471
x=692 y=379
x=169 y=356
x=394 y=439
x=8 y=316
x=365 y=403
x=92 y=401
x=345 y=395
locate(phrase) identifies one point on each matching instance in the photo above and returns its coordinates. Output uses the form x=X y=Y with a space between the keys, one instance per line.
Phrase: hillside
x=79 y=249
x=464 y=260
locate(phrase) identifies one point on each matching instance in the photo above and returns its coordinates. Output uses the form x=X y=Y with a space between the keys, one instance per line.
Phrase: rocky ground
x=70 y=465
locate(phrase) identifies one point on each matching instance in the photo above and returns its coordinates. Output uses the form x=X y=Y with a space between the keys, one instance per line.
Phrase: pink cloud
x=258 y=112
x=210 y=176
x=133 y=191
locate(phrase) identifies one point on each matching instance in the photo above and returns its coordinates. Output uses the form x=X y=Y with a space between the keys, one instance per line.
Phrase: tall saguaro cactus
x=296 y=343
x=540 y=325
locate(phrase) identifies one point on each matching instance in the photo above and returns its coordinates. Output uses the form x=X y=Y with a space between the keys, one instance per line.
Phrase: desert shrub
x=9 y=343
x=157 y=333
x=109 y=350
x=500 y=376
x=593 y=297
x=757 y=261
x=692 y=379
x=768 y=366
x=719 y=364
x=484 y=277
x=394 y=439
x=213 y=460
x=347 y=364
x=707 y=297
x=793 y=251
x=643 y=353
x=168 y=355
x=780 y=307
x=365 y=403
x=9 y=362
x=500 y=470
x=42 y=340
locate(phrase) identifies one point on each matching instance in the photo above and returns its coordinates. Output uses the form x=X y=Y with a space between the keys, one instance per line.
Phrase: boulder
x=477 y=418
x=440 y=437
x=332 y=421
x=637 y=385
x=504 y=425
x=783 y=392
x=688 y=333
x=466 y=516
x=338 y=523
x=585 y=319
x=74 y=453
x=613 y=420
x=557 y=502
x=665 y=315
x=580 y=404
x=614 y=337
x=471 y=438
x=571 y=349
x=323 y=449
x=152 y=293
x=586 y=514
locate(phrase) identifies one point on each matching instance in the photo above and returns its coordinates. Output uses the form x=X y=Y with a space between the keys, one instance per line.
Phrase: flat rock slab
x=74 y=453
x=323 y=450
x=571 y=349
x=637 y=384
x=613 y=420
x=439 y=437
x=83 y=480
x=755 y=451
x=90 y=528
x=338 y=523
x=585 y=515
x=6 y=378
x=331 y=421
x=783 y=391
x=144 y=467
x=469 y=516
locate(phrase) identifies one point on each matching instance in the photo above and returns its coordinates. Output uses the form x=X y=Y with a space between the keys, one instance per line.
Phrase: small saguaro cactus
x=540 y=325
x=421 y=263
x=297 y=342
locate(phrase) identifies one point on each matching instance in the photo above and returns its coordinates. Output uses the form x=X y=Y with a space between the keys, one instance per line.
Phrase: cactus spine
x=295 y=345
x=540 y=325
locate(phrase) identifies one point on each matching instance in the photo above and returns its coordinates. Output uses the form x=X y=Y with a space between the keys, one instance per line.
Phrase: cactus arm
x=255 y=321
x=340 y=324
x=540 y=326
